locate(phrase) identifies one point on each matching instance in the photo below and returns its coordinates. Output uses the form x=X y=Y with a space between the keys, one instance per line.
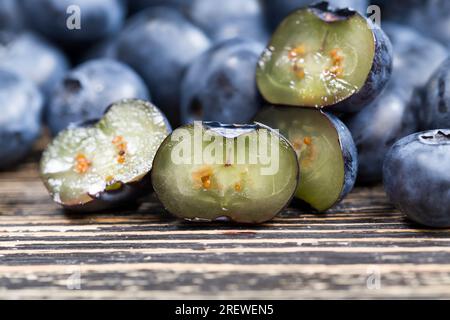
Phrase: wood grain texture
x=363 y=248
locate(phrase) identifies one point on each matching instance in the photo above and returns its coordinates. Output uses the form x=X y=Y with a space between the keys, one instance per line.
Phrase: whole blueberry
x=74 y=21
x=160 y=43
x=32 y=57
x=220 y=84
x=21 y=106
x=416 y=176
x=10 y=15
x=435 y=109
x=230 y=19
x=277 y=10
x=85 y=92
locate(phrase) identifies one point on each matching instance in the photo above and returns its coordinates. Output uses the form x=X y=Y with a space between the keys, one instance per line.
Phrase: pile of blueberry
x=347 y=100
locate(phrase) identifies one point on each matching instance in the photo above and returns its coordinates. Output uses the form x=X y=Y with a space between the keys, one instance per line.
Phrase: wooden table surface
x=363 y=248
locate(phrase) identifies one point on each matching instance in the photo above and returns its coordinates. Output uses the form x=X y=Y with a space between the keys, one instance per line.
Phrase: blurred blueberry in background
x=230 y=19
x=21 y=106
x=394 y=114
x=85 y=92
x=220 y=85
x=160 y=43
x=99 y=18
x=32 y=57
x=10 y=15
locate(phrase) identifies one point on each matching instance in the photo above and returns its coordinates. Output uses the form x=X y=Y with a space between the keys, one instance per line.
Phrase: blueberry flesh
x=229 y=19
x=160 y=43
x=435 y=111
x=325 y=57
x=215 y=172
x=106 y=163
x=86 y=91
x=220 y=84
x=21 y=106
x=98 y=19
x=280 y=9
x=416 y=175
x=32 y=57
x=325 y=149
x=393 y=115
x=10 y=16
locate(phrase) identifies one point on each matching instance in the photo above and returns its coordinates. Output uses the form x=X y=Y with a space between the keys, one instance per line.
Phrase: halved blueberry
x=416 y=177
x=105 y=163
x=326 y=151
x=211 y=171
x=321 y=57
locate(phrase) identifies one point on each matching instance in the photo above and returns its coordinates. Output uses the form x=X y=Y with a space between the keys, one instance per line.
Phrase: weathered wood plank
x=363 y=248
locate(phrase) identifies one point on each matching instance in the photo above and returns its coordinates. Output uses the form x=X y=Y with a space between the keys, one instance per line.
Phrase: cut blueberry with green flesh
x=326 y=151
x=416 y=176
x=105 y=163
x=209 y=171
x=321 y=56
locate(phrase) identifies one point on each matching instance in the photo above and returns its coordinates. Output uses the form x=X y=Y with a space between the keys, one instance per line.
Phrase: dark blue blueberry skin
x=85 y=92
x=10 y=15
x=393 y=115
x=277 y=10
x=416 y=175
x=229 y=19
x=435 y=111
x=99 y=19
x=34 y=58
x=21 y=106
x=160 y=43
x=350 y=154
x=220 y=84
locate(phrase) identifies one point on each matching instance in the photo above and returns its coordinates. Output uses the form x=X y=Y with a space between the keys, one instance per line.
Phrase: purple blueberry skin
x=159 y=43
x=435 y=111
x=220 y=84
x=277 y=10
x=378 y=76
x=21 y=105
x=85 y=92
x=99 y=19
x=350 y=154
x=229 y=19
x=32 y=57
x=416 y=175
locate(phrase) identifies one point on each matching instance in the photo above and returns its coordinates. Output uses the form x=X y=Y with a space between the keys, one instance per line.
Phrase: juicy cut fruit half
x=325 y=149
x=101 y=164
x=212 y=172
x=322 y=57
